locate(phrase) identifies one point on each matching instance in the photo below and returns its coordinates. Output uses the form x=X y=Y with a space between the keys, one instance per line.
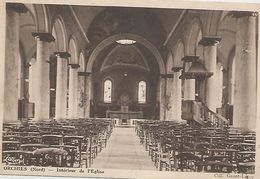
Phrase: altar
x=124 y=116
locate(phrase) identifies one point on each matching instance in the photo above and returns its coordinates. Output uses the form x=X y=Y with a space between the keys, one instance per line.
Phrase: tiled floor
x=124 y=151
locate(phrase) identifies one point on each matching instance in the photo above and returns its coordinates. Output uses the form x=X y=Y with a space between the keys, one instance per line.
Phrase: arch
x=60 y=35
x=31 y=11
x=27 y=25
x=226 y=23
x=42 y=20
x=73 y=50
x=82 y=62
x=137 y=38
x=199 y=48
x=195 y=30
x=141 y=64
x=212 y=24
x=169 y=63
x=179 y=53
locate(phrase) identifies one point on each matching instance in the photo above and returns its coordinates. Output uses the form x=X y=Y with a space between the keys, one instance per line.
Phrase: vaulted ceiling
x=153 y=24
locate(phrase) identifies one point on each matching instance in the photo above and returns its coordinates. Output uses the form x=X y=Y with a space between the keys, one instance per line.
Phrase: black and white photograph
x=86 y=89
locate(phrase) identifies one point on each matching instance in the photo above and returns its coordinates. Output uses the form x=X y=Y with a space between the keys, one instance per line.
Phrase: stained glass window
x=142 y=92
x=108 y=91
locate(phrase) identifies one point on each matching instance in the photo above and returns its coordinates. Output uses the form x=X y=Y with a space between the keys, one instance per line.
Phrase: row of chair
x=70 y=143
x=180 y=147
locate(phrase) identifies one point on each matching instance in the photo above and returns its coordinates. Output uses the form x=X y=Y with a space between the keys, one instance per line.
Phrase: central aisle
x=124 y=151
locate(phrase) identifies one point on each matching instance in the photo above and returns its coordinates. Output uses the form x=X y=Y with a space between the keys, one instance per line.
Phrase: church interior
x=129 y=88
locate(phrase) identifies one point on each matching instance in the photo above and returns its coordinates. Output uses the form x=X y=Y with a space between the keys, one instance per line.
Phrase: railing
x=214 y=118
x=194 y=111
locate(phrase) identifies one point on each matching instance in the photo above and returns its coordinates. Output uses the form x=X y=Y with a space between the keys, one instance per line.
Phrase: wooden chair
x=85 y=151
x=33 y=147
x=12 y=138
x=221 y=160
x=187 y=161
x=246 y=162
x=51 y=139
x=10 y=145
x=75 y=141
x=31 y=139
x=52 y=157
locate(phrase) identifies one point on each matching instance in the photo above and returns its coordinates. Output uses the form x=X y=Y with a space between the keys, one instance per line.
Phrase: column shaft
x=32 y=80
x=189 y=86
x=73 y=92
x=20 y=78
x=10 y=87
x=81 y=96
x=42 y=86
x=162 y=99
x=177 y=101
x=169 y=99
x=210 y=58
x=88 y=87
x=42 y=73
x=245 y=73
x=61 y=88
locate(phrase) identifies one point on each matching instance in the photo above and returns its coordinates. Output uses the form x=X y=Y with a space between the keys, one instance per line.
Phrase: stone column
x=88 y=88
x=85 y=94
x=163 y=102
x=42 y=81
x=32 y=79
x=73 y=90
x=169 y=98
x=9 y=88
x=210 y=60
x=189 y=84
x=20 y=78
x=81 y=95
x=177 y=101
x=61 y=85
x=245 y=71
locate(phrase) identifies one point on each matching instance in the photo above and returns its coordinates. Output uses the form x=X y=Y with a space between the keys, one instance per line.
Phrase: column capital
x=16 y=7
x=210 y=40
x=64 y=55
x=239 y=14
x=84 y=73
x=190 y=58
x=177 y=68
x=43 y=36
x=166 y=75
x=74 y=65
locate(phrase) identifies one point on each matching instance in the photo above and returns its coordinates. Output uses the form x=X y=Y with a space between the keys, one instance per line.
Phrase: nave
x=124 y=152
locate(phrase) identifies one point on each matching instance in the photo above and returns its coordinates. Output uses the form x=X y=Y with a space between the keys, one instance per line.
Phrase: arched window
x=108 y=91
x=142 y=92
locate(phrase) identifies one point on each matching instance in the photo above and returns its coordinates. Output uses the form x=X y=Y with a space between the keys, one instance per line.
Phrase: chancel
x=129 y=88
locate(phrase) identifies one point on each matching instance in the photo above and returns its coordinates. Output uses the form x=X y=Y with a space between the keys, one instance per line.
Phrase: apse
x=125 y=66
